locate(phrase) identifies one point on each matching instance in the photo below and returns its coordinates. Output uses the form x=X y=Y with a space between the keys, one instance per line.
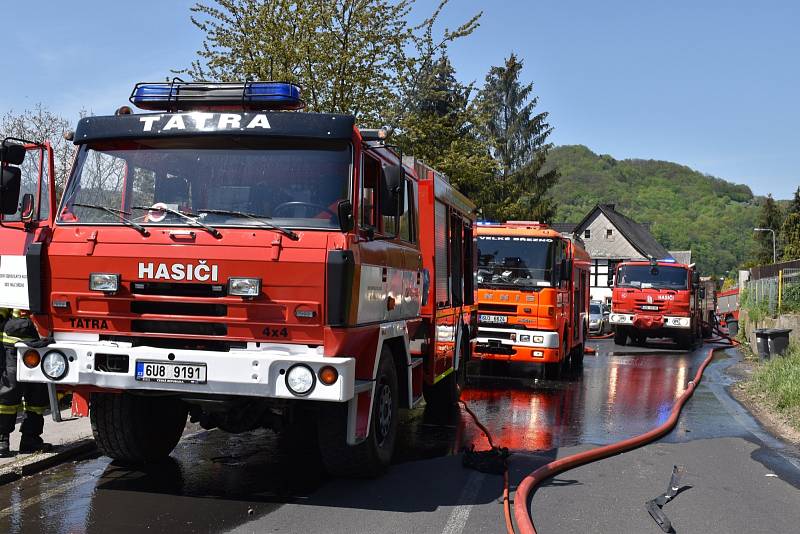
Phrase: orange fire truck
x=657 y=298
x=533 y=295
x=222 y=258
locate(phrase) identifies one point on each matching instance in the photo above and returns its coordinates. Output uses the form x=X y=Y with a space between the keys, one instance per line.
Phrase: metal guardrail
x=778 y=294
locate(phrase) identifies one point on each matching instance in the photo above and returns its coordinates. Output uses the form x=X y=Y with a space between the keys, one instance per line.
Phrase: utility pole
x=774 y=253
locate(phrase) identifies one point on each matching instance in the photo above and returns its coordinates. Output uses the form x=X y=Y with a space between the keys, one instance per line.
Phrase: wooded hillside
x=685 y=208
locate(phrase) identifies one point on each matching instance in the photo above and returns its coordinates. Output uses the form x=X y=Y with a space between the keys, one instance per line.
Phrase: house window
x=609 y=232
x=587 y=234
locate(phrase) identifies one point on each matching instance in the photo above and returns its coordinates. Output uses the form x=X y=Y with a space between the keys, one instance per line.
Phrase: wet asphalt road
x=217 y=482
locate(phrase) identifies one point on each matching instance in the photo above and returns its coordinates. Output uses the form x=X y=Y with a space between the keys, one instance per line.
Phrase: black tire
x=577 y=357
x=372 y=456
x=620 y=337
x=685 y=341
x=135 y=429
x=552 y=371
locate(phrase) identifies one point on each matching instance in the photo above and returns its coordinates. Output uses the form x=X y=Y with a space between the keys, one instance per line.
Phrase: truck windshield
x=290 y=183
x=645 y=276
x=515 y=261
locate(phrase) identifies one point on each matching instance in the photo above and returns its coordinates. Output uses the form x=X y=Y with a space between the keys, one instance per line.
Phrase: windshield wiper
x=119 y=213
x=191 y=217
x=258 y=218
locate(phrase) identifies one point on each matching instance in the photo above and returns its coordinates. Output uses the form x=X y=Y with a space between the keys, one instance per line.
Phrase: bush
x=778 y=382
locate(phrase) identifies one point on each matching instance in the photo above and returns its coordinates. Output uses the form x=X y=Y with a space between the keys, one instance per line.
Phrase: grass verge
x=777 y=383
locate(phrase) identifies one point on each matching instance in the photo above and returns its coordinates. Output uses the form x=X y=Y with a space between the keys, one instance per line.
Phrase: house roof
x=682 y=256
x=637 y=234
x=564 y=227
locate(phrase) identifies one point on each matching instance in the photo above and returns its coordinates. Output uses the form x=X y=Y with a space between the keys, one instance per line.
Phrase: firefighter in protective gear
x=31 y=397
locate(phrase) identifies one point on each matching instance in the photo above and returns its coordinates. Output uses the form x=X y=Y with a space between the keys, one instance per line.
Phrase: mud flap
x=358 y=413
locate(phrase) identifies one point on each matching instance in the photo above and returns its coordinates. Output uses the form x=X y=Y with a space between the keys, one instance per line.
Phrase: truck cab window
x=407 y=230
x=369 y=192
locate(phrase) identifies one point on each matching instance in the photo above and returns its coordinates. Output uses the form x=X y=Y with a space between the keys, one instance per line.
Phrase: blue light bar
x=668 y=260
x=189 y=96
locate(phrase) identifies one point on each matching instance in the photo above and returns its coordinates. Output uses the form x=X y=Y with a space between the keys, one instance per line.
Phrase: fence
x=775 y=294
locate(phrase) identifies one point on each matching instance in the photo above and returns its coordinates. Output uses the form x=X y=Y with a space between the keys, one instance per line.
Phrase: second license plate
x=173 y=373
x=483 y=318
x=650 y=308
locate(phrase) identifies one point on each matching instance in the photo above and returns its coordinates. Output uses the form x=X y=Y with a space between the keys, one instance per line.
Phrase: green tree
x=794 y=205
x=790 y=237
x=438 y=125
x=517 y=137
x=349 y=56
x=39 y=124
x=770 y=216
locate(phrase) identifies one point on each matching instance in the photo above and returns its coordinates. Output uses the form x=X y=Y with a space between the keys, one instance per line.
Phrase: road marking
x=458 y=517
x=30 y=501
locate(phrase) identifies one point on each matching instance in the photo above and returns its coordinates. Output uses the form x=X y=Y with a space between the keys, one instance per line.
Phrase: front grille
x=495 y=349
x=180 y=308
x=176 y=327
x=178 y=343
x=172 y=289
x=508 y=308
x=496 y=335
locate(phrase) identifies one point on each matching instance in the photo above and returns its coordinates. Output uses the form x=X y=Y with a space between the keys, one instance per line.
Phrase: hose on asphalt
x=523 y=494
x=506 y=501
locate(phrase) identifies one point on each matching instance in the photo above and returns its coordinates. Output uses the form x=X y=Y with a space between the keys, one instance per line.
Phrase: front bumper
x=258 y=371
x=657 y=321
x=542 y=345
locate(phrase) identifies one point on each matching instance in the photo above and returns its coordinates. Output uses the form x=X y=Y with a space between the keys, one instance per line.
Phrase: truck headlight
x=54 y=365
x=525 y=338
x=300 y=379
x=105 y=282
x=244 y=287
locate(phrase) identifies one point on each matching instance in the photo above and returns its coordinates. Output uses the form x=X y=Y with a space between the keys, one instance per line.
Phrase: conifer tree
x=517 y=137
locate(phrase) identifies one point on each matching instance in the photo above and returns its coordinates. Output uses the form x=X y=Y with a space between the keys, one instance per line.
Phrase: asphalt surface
x=738 y=477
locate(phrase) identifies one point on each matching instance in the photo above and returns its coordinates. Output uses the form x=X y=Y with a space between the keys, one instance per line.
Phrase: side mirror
x=701 y=292
x=695 y=278
x=392 y=190
x=610 y=280
x=26 y=210
x=345 y=212
x=10 y=181
x=566 y=270
x=12 y=154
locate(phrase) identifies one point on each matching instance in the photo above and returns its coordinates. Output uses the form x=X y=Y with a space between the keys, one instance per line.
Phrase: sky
x=712 y=84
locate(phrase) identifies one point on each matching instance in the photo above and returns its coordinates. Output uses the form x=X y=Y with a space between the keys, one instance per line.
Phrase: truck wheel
x=135 y=429
x=577 y=357
x=552 y=371
x=685 y=341
x=620 y=337
x=372 y=456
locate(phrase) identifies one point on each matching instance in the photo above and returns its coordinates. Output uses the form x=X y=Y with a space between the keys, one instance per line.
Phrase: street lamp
x=774 y=255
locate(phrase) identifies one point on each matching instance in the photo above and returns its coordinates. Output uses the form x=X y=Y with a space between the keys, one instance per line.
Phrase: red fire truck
x=222 y=258
x=533 y=296
x=656 y=299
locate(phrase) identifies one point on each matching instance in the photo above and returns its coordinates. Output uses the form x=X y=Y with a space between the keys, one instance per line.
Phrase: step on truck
x=533 y=296
x=225 y=257
x=655 y=299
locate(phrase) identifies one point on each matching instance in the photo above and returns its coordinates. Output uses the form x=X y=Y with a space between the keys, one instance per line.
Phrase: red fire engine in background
x=533 y=295
x=656 y=299
x=222 y=258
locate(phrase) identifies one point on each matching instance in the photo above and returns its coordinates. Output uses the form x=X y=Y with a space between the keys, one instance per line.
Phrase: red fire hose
x=522 y=497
